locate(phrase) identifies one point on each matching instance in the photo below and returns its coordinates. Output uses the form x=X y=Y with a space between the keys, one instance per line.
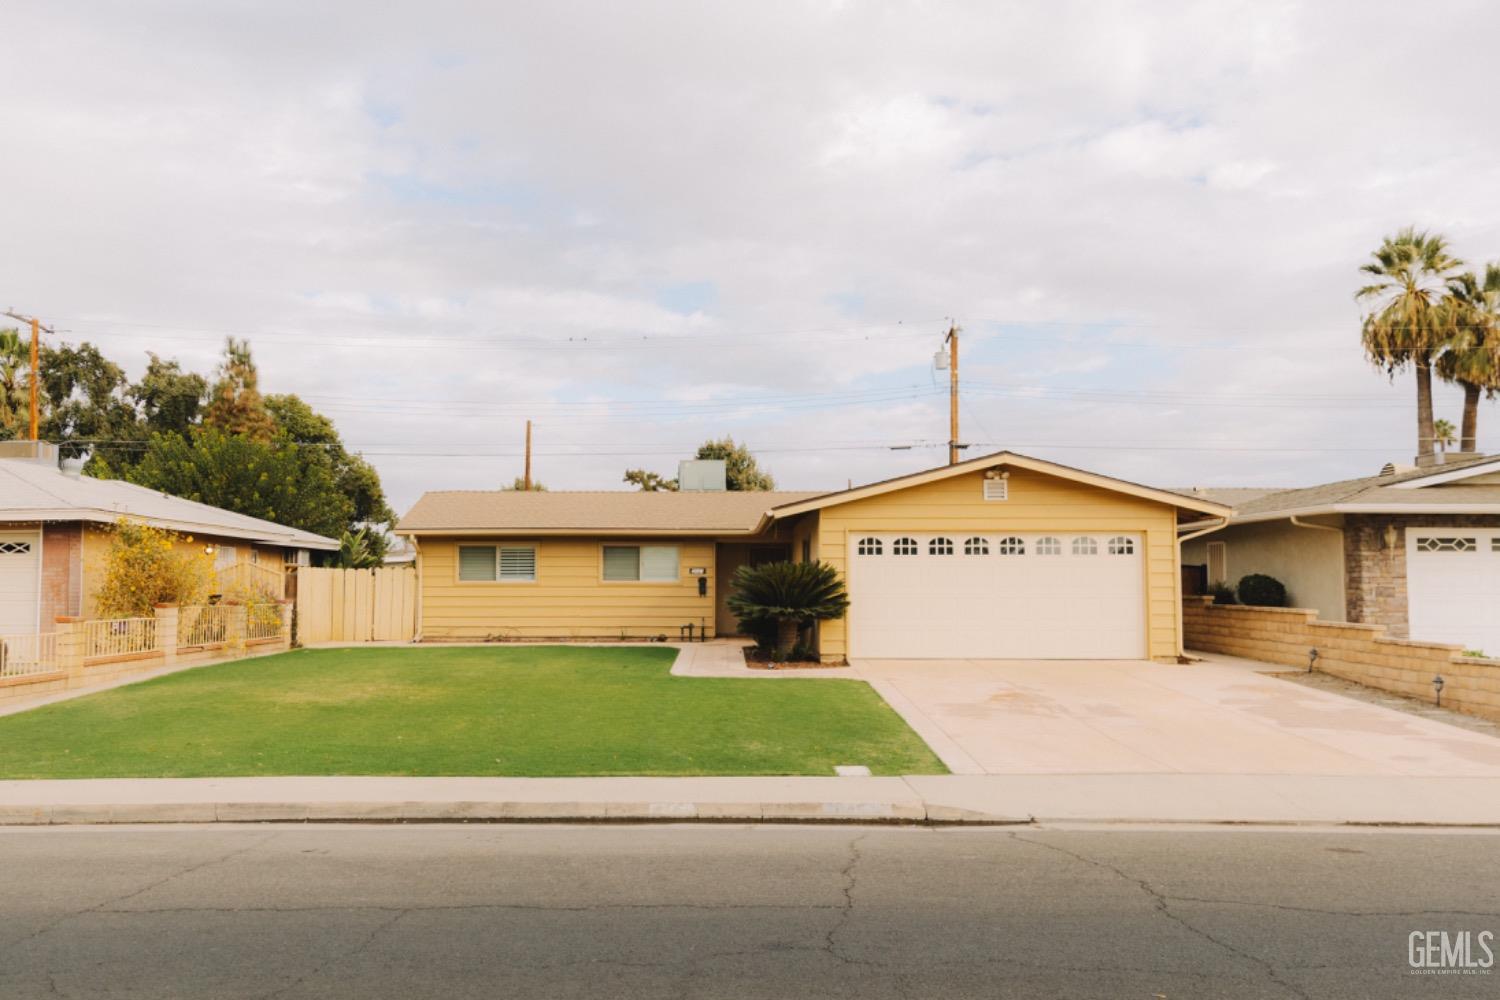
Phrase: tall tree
x=168 y=399
x=1443 y=435
x=740 y=467
x=87 y=410
x=1472 y=359
x=15 y=382
x=235 y=405
x=1406 y=326
x=274 y=480
x=298 y=422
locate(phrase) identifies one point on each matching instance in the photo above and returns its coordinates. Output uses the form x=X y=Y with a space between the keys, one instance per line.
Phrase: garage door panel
x=20 y=562
x=1453 y=586
x=1081 y=602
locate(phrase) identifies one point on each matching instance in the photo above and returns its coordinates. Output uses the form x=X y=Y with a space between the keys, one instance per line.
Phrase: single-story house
x=54 y=536
x=998 y=556
x=1416 y=549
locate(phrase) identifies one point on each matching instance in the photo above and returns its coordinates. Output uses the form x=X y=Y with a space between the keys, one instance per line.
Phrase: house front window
x=496 y=563
x=640 y=563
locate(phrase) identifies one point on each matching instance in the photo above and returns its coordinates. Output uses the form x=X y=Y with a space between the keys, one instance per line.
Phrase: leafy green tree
x=740 y=467
x=649 y=482
x=1472 y=357
x=235 y=405
x=790 y=595
x=298 y=422
x=86 y=402
x=741 y=472
x=1407 y=326
x=168 y=399
x=274 y=480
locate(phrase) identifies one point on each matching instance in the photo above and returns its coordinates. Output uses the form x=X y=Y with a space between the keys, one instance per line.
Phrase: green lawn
x=518 y=710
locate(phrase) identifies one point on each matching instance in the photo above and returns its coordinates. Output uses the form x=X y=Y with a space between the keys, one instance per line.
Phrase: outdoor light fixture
x=1312 y=657
x=1437 y=685
x=208 y=550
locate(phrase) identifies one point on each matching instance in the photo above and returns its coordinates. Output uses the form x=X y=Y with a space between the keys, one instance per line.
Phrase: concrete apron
x=932 y=799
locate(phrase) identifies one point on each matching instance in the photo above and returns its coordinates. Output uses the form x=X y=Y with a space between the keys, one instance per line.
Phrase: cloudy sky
x=642 y=224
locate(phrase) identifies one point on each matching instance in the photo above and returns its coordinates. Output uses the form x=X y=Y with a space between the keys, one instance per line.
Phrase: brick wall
x=1375 y=572
x=1355 y=652
x=62 y=582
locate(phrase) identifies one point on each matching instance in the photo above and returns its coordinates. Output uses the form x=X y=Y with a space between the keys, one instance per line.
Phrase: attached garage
x=1002 y=557
x=1035 y=595
x=20 y=581
x=1453 y=586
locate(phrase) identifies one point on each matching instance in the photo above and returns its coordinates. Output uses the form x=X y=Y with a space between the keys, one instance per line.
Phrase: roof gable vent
x=997 y=489
x=1388 y=469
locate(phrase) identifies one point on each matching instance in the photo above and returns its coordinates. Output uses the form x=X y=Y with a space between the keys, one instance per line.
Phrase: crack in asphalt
x=1162 y=903
x=353 y=953
x=106 y=906
x=847 y=909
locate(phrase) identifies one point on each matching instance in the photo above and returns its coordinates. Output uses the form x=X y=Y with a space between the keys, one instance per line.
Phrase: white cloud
x=435 y=218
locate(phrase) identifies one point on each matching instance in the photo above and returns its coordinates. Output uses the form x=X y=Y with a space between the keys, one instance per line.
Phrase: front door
x=730 y=557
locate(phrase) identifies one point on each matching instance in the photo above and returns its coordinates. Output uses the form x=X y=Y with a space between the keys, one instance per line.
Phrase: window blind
x=476 y=562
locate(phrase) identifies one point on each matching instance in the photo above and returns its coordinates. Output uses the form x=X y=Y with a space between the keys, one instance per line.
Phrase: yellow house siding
x=95 y=557
x=1037 y=502
x=568 y=599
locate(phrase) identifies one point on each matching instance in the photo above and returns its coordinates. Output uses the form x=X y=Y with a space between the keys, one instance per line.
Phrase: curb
x=859 y=813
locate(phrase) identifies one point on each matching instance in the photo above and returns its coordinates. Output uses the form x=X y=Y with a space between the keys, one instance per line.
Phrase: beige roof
x=617 y=511
x=36 y=491
x=1402 y=491
x=517 y=512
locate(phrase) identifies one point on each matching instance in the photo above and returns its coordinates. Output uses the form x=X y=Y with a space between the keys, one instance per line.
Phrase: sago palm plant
x=1408 y=325
x=789 y=595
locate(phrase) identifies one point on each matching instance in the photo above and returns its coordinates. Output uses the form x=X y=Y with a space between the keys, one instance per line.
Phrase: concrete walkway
x=940 y=799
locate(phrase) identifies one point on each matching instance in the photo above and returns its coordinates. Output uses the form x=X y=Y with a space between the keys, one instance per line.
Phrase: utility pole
x=36 y=337
x=952 y=341
x=527 y=481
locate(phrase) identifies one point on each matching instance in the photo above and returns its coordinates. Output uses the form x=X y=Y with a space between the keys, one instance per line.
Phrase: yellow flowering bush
x=145 y=566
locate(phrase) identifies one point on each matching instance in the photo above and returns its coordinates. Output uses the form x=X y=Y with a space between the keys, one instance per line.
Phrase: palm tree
x=789 y=595
x=15 y=356
x=1407 y=324
x=1442 y=435
x=1472 y=359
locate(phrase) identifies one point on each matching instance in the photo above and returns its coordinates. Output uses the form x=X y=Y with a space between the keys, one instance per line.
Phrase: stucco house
x=54 y=536
x=998 y=556
x=1416 y=550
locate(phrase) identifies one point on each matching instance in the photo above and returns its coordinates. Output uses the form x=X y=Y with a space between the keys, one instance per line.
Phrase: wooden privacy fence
x=356 y=605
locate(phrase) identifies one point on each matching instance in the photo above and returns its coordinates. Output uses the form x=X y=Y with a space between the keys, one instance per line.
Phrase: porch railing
x=202 y=625
x=117 y=638
x=28 y=653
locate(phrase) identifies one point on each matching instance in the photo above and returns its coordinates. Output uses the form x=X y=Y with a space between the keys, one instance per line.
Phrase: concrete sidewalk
x=936 y=799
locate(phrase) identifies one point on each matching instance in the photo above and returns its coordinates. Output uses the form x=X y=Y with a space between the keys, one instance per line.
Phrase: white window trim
x=495 y=547
x=639 y=582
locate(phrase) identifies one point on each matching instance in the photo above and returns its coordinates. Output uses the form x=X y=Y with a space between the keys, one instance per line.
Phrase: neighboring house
x=999 y=556
x=1415 y=550
x=54 y=536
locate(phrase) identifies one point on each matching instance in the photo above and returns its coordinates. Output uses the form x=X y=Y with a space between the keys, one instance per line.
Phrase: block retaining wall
x=1359 y=653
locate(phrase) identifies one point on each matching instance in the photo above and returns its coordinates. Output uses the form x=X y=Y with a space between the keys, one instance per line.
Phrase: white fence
x=202 y=625
x=23 y=655
x=262 y=621
x=118 y=637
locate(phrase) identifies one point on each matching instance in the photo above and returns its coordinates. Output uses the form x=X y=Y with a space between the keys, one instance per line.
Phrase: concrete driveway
x=1220 y=716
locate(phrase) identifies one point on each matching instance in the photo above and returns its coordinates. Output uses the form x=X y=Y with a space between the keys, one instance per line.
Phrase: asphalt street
x=745 y=912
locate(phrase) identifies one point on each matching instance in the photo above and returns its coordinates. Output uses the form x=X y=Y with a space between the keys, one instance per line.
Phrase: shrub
x=788 y=595
x=1262 y=591
x=1221 y=592
x=145 y=567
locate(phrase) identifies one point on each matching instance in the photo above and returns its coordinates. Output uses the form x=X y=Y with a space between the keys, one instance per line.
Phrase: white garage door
x=1003 y=596
x=20 y=560
x=1453 y=586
